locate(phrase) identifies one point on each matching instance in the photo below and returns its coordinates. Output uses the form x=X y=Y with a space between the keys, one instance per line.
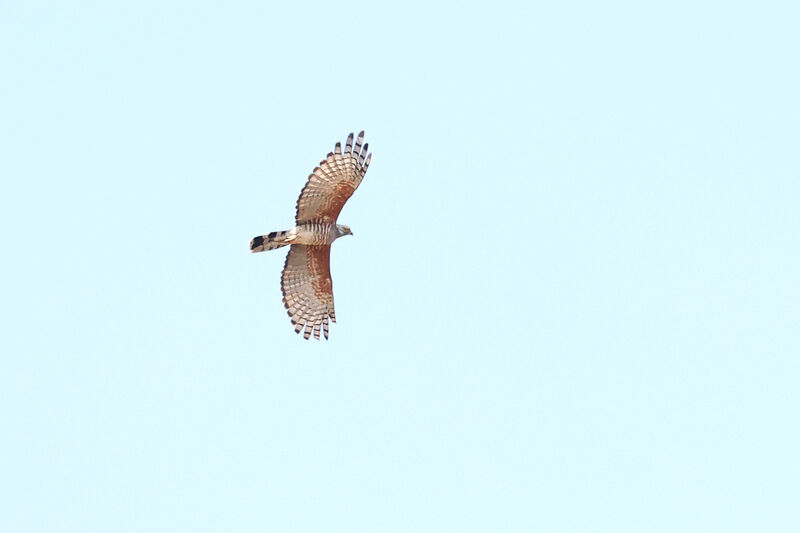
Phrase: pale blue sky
x=570 y=303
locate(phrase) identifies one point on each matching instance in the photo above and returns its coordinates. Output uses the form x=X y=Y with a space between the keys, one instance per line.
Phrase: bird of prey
x=306 y=280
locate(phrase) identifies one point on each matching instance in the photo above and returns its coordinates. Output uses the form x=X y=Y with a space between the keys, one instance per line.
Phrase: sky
x=570 y=302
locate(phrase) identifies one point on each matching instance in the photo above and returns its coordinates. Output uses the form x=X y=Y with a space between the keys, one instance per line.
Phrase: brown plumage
x=306 y=280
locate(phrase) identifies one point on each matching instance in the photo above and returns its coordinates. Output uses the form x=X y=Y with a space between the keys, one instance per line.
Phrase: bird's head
x=343 y=230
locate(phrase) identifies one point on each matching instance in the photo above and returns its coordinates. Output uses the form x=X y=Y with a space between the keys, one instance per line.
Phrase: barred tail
x=273 y=240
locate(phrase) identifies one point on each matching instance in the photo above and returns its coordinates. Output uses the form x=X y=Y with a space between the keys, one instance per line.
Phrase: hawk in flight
x=306 y=279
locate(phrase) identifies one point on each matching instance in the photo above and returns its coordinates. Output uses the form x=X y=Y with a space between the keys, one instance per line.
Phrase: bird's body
x=313 y=234
x=306 y=279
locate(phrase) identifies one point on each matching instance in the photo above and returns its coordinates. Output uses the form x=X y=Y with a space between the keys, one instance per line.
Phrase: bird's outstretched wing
x=333 y=182
x=307 y=289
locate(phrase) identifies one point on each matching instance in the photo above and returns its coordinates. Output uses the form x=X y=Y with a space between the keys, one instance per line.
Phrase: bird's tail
x=273 y=240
